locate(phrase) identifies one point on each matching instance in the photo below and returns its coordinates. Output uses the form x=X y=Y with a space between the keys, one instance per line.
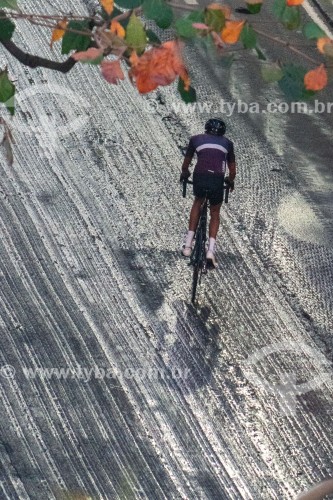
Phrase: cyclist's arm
x=232 y=171
x=231 y=162
x=188 y=158
x=186 y=164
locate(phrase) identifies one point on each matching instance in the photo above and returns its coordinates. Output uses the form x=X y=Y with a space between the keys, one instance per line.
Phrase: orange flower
x=59 y=31
x=291 y=3
x=134 y=58
x=107 y=6
x=158 y=66
x=186 y=81
x=316 y=79
x=321 y=42
x=232 y=30
x=117 y=29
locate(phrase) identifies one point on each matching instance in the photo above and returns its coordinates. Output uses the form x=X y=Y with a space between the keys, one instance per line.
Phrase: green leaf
x=292 y=83
x=205 y=46
x=136 y=36
x=215 y=19
x=206 y=43
x=75 y=41
x=260 y=54
x=312 y=30
x=159 y=11
x=7 y=28
x=278 y=8
x=129 y=4
x=291 y=17
x=248 y=37
x=271 y=72
x=7 y=91
x=184 y=28
x=254 y=8
x=8 y=4
x=114 y=13
x=153 y=38
x=197 y=16
x=186 y=95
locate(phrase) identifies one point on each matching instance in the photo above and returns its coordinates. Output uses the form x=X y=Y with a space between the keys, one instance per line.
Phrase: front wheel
x=195 y=280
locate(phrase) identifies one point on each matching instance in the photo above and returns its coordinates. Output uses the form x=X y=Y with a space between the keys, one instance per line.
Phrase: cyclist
x=214 y=152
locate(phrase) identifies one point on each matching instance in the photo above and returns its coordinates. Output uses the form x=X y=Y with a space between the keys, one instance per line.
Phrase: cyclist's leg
x=195 y=213
x=215 y=199
x=199 y=191
x=194 y=219
x=215 y=206
x=214 y=220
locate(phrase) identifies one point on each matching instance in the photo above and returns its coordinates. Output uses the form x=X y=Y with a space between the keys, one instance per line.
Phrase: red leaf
x=112 y=72
x=158 y=66
x=316 y=79
x=291 y=3
x=88 y=55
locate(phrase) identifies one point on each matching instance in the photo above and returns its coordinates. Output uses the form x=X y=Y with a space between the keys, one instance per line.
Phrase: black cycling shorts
x=211 y=183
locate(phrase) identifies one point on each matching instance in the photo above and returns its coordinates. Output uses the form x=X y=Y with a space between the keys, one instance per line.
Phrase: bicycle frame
x=198 y=256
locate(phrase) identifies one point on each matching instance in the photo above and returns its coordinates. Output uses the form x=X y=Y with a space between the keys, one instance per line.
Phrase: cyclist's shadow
x=194 y=354
x=190 y=341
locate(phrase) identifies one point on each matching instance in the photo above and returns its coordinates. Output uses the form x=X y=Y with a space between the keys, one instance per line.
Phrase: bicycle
x=198 y=256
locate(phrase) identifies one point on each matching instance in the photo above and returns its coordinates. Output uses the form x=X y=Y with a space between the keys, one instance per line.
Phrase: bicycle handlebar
x=226 y=198
x=185 y=182
x=226 y=189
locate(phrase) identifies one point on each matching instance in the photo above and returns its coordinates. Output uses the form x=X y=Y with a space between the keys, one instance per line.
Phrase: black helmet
x=215 y=126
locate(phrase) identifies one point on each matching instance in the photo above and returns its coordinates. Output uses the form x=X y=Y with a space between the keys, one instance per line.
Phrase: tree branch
x=36 y=61
x=286 y=44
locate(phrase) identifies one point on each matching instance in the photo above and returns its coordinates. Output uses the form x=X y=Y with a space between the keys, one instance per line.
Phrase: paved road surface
x=91 y=279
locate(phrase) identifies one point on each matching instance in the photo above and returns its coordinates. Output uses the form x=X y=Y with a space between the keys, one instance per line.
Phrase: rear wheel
x=196 y=262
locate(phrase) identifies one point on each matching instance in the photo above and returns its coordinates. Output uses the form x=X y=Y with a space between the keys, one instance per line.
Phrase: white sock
x=212 y=242
x=189 y=238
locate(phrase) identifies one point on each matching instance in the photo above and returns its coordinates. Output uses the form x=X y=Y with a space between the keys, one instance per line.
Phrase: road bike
x=198 y=257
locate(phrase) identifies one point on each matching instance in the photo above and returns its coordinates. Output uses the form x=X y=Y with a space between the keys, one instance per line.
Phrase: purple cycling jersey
x=213 y=153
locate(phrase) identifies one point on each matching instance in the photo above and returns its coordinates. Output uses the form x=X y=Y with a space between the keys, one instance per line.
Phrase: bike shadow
x=194 y=354
x=187 y=336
